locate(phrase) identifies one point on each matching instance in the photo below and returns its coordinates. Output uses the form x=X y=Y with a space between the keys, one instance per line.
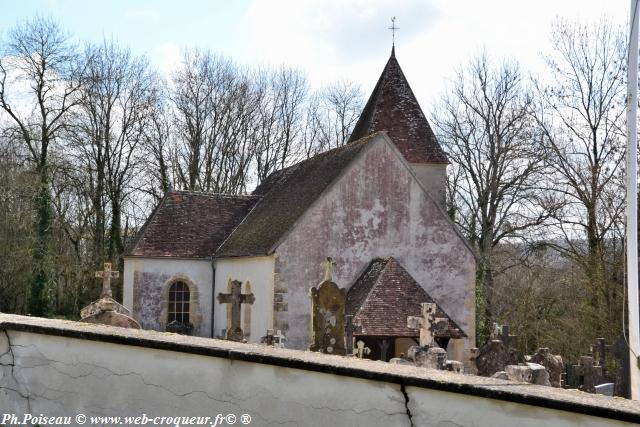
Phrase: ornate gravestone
x=587 y=373
x=327 y=314
x=234 y=301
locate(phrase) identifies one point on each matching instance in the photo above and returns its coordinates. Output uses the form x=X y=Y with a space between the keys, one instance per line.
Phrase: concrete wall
x=377 y=209
x=259 y=272
x=71 y=369
x=146 y=283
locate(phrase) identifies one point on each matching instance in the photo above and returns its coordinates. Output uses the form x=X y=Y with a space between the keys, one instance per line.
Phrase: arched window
x=179 y=303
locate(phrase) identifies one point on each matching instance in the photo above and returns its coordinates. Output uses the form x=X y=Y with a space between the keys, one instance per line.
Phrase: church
x=374 y=205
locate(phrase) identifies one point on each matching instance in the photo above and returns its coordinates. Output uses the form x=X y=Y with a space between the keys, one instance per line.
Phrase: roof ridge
x=208 y=193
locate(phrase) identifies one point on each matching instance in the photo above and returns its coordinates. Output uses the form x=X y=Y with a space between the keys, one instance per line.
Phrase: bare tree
x=39 y=58
x=486 y=129
x=279 y=96
x=581 y=114
x=108 y=131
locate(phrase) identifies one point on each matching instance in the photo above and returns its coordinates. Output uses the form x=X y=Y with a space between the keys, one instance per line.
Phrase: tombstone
x=532 y=373
x=327 y=314
x=360 y=351
x=106 y=310
x=588 y=373
x=234 y=301
x=511 y=342
x=267 y=338
x=423 y=323
x=552 y=363
x=490 y=358
x=107 y=315
x=599 y=350
x=177 y=327
x=279 y=339
x=428 y=357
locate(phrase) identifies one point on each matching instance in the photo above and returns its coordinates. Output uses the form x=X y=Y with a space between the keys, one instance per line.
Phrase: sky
x=327 y=39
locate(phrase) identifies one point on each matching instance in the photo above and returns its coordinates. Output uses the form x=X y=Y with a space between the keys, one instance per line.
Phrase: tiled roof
x=286 y=195
x=190 y=224
x=384 y=296
x=393 y=108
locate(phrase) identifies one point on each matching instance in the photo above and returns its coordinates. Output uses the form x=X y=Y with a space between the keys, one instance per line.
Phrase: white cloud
x=169 y=55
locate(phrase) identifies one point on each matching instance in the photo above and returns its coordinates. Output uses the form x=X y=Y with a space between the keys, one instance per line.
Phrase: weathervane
x=393 y=29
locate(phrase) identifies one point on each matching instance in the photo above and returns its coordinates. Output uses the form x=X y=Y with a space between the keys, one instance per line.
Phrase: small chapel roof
x=190 y=224
x=286 y=195
x=382 y=298
x=393 y=108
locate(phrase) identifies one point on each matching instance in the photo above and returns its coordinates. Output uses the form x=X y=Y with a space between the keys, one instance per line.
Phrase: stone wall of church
x=54 y=368
x=257 y=317
x=376 y=209
x=146 y=290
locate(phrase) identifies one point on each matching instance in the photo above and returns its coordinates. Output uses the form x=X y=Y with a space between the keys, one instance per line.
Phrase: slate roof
x=286 y=195
x=393 y=108
x=384 y=296
x=190 y=224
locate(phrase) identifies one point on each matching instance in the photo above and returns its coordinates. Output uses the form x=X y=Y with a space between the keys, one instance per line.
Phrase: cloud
x=169 y=56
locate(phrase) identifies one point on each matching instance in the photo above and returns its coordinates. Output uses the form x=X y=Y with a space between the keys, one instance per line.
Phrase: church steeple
x=393 y=108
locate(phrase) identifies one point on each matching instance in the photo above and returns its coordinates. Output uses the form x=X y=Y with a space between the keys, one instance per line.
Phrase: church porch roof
x=382 y=298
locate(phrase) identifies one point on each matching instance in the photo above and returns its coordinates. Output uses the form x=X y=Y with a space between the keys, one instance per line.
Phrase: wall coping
x=510 y=391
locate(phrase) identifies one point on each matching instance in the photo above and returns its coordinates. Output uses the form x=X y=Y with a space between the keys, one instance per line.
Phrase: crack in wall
x=12 y=365
x=406 y=404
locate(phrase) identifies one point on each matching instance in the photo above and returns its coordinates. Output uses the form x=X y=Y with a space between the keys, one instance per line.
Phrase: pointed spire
x=393 y=108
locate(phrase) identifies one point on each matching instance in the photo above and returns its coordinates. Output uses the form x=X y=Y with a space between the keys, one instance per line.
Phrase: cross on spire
x=106 y=276
x=393 y=29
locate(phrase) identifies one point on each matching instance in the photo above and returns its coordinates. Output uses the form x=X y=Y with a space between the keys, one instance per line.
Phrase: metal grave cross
x=106 y=276
x=235 y=299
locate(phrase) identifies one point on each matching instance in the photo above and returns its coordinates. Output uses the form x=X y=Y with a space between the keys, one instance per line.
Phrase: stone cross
x=588 y=372
x=328 y=269
x=423 y=323
x=235 y=299
x=106 y=276
x=361 y=350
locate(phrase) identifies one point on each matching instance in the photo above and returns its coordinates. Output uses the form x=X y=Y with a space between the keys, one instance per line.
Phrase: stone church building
x=374 y=205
